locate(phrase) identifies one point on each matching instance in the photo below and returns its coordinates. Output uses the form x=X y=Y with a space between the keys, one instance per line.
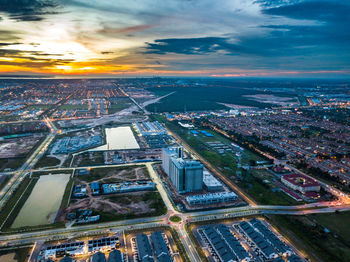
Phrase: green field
x=308 y=233
x=118 y=105
x=47 y=161
x=250 y=182
x=207 y=97
x=73 y=107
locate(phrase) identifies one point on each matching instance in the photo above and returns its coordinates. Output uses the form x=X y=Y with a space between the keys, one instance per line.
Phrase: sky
x=219 y=38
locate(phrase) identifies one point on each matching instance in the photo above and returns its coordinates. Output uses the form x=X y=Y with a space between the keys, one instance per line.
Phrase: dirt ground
x=15 y=147
x=115 y=204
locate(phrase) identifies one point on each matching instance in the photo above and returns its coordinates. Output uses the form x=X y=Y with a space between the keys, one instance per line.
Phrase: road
x=19 y=175
x=242 y=194
x=21 y=238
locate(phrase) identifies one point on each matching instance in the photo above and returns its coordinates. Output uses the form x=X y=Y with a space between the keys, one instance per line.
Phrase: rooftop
x=300 y=180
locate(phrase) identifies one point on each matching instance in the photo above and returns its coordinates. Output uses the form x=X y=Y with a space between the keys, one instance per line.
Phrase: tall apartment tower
x=185 y=175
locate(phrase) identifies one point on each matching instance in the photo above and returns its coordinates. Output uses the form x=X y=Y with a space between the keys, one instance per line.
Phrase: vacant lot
x=116 y=206
x=115 y=174
x=310 y=234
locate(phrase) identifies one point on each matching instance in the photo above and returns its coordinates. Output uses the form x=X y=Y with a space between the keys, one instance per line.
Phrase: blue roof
x=269 y=236
x=115 y=256
x=95 y=185
x=144 y=248
x=257 y=238
x=98 y=257
x=220 y=247
x=160 y=248
x=232 y=242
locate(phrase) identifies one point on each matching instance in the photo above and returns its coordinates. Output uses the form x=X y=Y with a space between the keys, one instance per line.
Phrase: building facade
x=185 y=175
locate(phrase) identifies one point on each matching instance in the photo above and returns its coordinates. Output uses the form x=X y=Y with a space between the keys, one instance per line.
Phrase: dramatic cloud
x=174 y=37
x=28 y=10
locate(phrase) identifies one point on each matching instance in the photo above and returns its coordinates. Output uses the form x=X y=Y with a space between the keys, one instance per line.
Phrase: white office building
x=185 y=175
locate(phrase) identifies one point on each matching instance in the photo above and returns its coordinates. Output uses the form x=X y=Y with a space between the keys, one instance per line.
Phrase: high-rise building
x=185 y=175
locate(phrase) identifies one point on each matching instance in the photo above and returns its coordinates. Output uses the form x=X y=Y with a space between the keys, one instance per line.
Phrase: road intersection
x=23 y=238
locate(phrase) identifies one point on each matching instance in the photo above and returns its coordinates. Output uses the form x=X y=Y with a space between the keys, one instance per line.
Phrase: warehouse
x=95 y=188
x=74 y=248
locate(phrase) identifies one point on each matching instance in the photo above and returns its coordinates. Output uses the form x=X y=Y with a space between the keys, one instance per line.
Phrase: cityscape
x=174 y=131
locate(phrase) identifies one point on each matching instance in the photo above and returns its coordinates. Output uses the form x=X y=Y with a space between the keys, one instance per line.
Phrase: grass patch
x=24 y=188
x=156 y=203
x=227 y=165
x=47 y=161
x=175 y=219
x=21 y=254
x=307 y=233
x=12 y=163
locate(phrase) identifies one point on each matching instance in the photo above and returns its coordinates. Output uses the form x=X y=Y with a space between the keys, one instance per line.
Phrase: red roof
x=300 y=180
x=291 y=193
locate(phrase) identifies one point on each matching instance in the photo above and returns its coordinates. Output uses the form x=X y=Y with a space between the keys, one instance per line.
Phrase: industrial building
x=154 y=134
x=144 y=248
x=211 y=198
x=128 y=187
x=73 y=144
x=150 y=128
x=185 y=175
x=95 y=188
x=300 y=183
x=79 y=191
x=160 y=248
x=211 y=183
x=66 y=259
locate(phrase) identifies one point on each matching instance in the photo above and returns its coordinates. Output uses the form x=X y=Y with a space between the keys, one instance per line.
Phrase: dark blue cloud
x=328 y=11
x=189 y=46
x=29 y=10
x=325 y=42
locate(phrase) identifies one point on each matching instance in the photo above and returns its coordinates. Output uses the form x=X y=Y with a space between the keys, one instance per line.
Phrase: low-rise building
x=301 y=183
x=211 y=198
x=144 y=248
x=211 y=183
x=95 y=188
x=98 y=257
